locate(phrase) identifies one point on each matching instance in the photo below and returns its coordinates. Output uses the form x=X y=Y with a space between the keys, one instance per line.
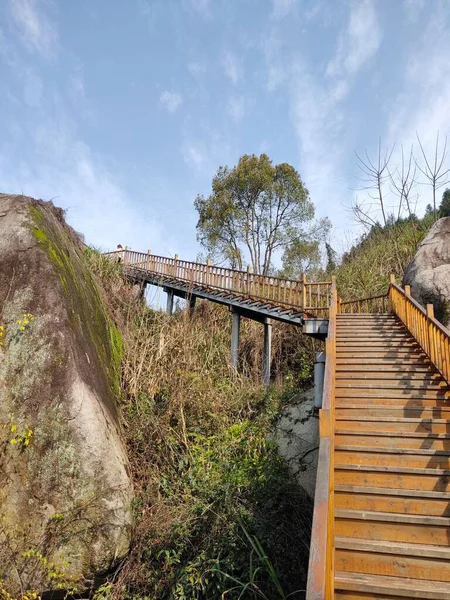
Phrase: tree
x=331 y=258
x=434 y=168
x=255 y=210
x=444 y=208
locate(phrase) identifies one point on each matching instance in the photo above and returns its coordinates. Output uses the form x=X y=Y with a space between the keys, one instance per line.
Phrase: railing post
x=303 y=291
x=249 y=272
x=430 y=315
x=175 y=265
x=391 y=282
x=208 y=271
x=407 y=295
x=149 y=253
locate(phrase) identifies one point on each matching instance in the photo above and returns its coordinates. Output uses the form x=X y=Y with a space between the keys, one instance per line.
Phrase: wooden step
x=402 y=462
x=409 y=412
x=379 y=343
x=379 y=586
x=401 y=355
x=390 y=369
x=377 y=373
x=394 y=451
x=383 y=500
x=405 y=392
x=392 y=425
x=393 y=402
x=392 y=442
x=392 y=527
x=394 y=559
x=427 y=479
x=420 y=383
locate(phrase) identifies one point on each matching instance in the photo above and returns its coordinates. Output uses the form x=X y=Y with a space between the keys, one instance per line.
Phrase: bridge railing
x=430 y=334
x=311 y=297
x=321 y=558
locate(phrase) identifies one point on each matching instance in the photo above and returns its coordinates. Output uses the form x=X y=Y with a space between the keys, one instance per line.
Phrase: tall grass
x=215 y=503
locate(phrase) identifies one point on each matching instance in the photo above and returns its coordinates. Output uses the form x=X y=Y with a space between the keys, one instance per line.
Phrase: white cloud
x=37 y=30
x=62 y=167
x=196 y=69
x=171 y=100
x=33 y=88
x=193 y=155
x=236 y=107
x=423 y=105
x=232 y=67
x=359 y=42
x=282 y=8
x=203 y=7
x=414 y=8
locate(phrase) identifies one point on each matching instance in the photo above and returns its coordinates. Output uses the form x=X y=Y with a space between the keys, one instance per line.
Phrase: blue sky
x=122 y=110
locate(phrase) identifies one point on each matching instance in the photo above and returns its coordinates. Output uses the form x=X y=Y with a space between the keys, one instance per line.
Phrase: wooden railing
x=311 y=297
x=431 y=335
x=373 y=304
x=321 y=559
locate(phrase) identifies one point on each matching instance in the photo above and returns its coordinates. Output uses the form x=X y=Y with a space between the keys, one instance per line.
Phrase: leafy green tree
x=331 y=258
x=444 y=208
x=255 y=210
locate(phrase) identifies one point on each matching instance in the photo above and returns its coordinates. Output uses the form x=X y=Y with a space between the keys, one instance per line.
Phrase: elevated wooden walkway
x=257 y=296
x=381 y=524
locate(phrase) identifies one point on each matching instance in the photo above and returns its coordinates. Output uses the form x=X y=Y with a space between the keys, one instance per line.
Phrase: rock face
x=428 y=274
x=297 y=436
x=65 y=489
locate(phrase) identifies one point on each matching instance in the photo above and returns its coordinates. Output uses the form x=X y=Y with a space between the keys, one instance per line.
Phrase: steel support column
x=235 y=329
x=192 y=300
x=267 y=353
x=169 y=302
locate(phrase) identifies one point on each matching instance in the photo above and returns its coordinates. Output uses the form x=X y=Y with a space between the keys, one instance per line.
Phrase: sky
x=121 y=111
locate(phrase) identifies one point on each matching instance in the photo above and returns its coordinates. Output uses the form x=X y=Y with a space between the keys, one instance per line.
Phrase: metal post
x=192 y=300
x=235 y=328
x=169 y=302
x=267 y=358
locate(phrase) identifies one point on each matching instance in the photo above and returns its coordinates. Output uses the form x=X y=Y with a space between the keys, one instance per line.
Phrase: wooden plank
x=377 y=563
x=418 y=393
x=401 y=587
x=393 y=442
x=428 y=481
x=358 y=489
x=399 y=452
x=385 y=460
x=414 y=505
x=368 y=410
x=394 y=402
x=392 y=531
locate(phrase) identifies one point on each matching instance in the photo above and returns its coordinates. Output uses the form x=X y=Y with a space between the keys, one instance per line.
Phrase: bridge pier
x=169 y=302
x=192 y=300
x=267 y=353
x=235 y=330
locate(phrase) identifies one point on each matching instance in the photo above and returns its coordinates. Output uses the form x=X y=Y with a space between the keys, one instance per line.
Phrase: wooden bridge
x=381 y=526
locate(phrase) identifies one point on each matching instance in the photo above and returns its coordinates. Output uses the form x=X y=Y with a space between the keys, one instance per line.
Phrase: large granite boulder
x=428 y=273
x=65 y=488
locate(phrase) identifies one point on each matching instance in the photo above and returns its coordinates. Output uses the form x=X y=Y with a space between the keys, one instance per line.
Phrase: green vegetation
x=255 y=210
x=217 y=513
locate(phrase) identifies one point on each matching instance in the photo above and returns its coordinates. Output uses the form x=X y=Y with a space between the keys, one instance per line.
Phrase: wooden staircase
x=381 y=524
x=391 y=464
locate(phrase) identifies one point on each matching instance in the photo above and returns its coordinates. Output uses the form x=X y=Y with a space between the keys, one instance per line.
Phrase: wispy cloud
x=359 y=42
x=36 y=27
x=413 y=9
x=61 y=166
x=423 y=104
x=237 y=107
x=193 y=155
x=171 y=100
x=202 y=7
x=232 y=67
x=282 y=8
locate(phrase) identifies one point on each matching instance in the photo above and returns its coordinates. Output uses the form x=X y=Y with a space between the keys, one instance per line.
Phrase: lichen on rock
x=64 y=476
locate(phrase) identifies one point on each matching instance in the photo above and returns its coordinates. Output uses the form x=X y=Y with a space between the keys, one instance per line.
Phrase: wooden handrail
x=430 y=334
x=321 y=558
x=371 y=304
x=311 y=297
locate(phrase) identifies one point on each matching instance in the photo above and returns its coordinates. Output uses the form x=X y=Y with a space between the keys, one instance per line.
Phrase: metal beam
x=169 y=301
x=235 y=330
x=267 y=353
